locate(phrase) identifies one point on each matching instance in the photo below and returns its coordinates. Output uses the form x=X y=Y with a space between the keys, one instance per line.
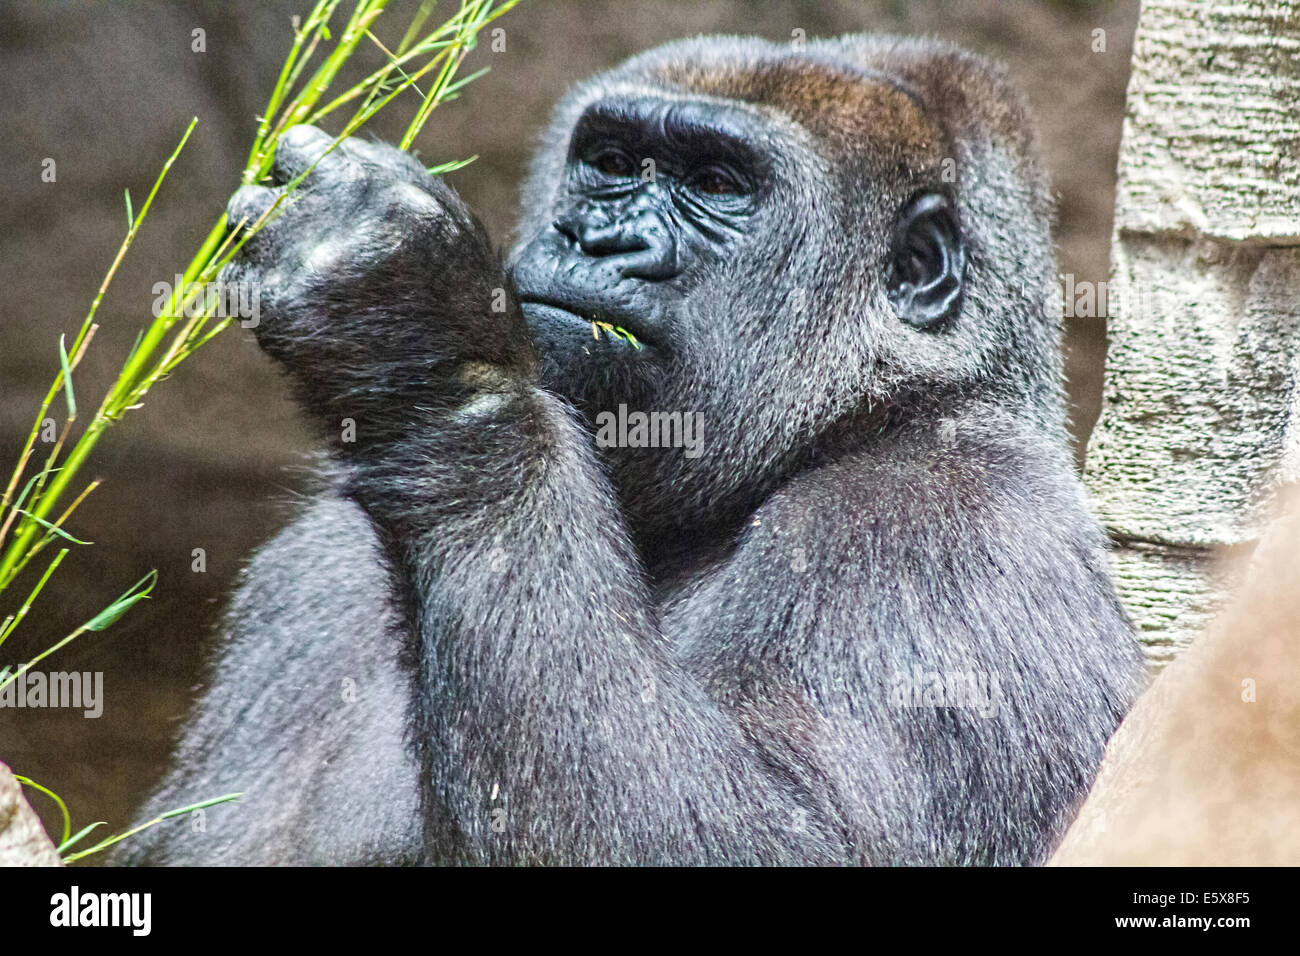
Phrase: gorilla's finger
x=300 y=147
x=248 y=204
x=390 y=159
x=234 y=273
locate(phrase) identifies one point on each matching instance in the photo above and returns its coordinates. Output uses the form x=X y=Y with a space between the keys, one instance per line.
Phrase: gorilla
x=866 y=619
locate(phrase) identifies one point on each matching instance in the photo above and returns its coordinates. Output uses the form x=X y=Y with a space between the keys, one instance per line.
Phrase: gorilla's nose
x=641 y=244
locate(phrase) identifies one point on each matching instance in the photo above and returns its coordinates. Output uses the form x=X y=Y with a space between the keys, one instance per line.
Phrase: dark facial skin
x=568 y=653
x=655 y=193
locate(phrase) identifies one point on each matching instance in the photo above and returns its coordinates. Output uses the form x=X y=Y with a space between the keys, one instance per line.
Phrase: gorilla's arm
x=553 y=722
x=545 y=679
x=307 y=716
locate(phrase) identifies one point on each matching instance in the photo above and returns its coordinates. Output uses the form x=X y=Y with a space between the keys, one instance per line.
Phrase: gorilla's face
x=656 y=194
x=650 y=282
x=775 y=249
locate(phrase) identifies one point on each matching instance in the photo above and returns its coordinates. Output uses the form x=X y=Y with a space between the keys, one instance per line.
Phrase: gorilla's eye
x=613 y=163
x=716 y=181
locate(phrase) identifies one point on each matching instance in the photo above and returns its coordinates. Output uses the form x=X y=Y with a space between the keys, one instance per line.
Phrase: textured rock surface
x=1210 y=139
x=1200 y=420
x=22 y=839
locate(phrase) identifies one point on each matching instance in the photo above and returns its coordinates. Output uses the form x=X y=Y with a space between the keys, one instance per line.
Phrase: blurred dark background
x=217 y=455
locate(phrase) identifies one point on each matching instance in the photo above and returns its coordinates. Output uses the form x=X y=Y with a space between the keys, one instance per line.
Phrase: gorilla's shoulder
x=326 y=559
x=988 y=475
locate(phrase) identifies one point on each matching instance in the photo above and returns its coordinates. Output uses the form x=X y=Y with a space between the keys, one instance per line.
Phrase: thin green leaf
x=52 y=528
x=67 y=379
x=98 y=623
x=449 y=91
x=27 y=488
x=452 y=166
x=202 y=805
x=110 y=614
x=105 y=844
x=135 y=345
x=413 y=31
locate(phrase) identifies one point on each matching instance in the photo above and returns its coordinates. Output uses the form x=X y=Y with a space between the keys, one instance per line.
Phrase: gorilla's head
x=804 y=245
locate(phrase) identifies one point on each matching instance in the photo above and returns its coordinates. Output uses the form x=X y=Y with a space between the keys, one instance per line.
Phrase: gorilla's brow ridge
x=695 y=127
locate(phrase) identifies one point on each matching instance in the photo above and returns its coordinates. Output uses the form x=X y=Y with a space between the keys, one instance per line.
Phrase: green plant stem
x=143 y=367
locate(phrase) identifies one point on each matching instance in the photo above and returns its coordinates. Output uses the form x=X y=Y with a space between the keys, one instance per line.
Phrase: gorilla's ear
x=927 y=262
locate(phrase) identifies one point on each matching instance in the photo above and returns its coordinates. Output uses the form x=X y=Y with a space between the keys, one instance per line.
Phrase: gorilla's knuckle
x=307 y=142
x=402 y=200
x=333 y=253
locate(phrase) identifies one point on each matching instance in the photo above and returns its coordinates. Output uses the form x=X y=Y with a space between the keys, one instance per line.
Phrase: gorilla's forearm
x=554 y=723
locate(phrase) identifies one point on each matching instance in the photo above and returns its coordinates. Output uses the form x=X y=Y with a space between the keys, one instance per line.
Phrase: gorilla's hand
x=373 y=279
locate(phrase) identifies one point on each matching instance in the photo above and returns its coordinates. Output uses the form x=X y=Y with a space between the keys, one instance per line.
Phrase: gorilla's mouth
x=553 y=317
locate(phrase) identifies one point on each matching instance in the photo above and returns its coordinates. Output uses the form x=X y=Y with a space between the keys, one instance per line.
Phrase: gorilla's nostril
x=567 y=227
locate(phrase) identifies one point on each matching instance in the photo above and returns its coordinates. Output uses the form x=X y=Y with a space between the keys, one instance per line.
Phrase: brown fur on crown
x=842 y=107
x=859 y=93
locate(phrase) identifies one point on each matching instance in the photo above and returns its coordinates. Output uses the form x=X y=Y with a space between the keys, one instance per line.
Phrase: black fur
x=571 y=653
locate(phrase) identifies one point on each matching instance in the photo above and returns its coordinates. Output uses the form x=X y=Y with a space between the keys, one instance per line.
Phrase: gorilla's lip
x=587 y=319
